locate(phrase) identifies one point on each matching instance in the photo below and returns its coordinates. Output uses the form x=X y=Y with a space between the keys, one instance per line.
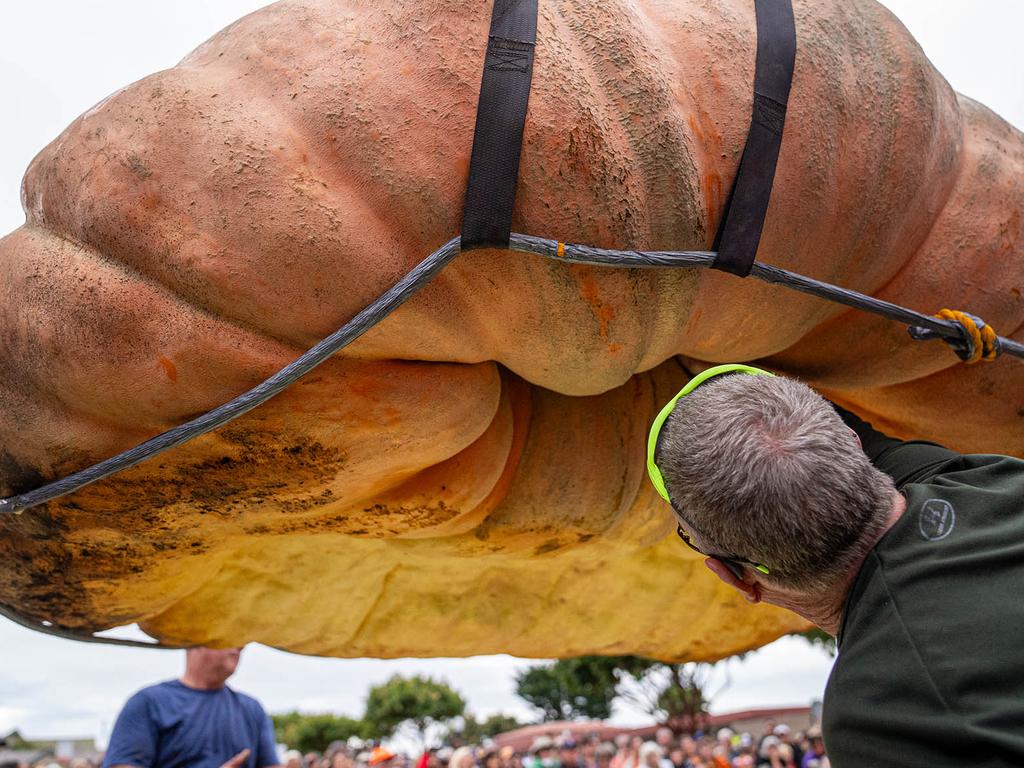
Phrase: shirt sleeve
x=134 y=738
x=905 y=461
x=266 y=749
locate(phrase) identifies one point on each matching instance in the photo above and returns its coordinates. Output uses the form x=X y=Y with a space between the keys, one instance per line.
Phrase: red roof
x=521 y=738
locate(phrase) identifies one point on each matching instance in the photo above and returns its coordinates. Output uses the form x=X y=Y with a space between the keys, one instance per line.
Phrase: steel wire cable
x=586 y=254
x=365 y=319
x=419 y=276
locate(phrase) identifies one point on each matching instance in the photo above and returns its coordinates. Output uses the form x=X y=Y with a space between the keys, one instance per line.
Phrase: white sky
x=58 y=58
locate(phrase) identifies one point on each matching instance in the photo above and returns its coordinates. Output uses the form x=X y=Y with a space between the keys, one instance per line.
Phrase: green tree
x=586 y=687
x=582 y=687
x=419 y=701
x=474 y=731
x=682 y=700
x=308 y=733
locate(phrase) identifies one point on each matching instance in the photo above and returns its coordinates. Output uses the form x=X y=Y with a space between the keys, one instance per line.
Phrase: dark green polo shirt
x=930 y=669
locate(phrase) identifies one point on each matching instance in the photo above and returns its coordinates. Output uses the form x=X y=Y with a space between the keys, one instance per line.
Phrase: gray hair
x=762 y=467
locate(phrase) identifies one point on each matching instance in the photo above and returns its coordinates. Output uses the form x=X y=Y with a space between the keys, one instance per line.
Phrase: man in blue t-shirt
x=194 y=722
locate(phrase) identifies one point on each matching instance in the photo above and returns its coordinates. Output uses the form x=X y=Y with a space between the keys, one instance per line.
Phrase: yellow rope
x=984 y=340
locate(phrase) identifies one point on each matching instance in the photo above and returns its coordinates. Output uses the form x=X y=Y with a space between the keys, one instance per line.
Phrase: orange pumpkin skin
x=474 y=465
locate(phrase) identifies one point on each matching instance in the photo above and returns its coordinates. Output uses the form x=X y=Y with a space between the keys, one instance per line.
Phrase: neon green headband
x=652 y=441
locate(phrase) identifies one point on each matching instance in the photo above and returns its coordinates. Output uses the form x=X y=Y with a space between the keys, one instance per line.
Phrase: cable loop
x=980 y=341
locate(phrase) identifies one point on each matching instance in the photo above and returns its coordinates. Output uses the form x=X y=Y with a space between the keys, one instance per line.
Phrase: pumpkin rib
x=656 y=138
x=70 y=377
x=845 y=315
x=580 y=63
x=863 y=352
x=51 y=161
x=211 y=296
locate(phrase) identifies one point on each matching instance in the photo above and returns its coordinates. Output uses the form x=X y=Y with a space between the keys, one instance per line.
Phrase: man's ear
x=750 y=590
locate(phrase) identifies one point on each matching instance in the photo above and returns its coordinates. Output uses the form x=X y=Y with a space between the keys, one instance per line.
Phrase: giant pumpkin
x=467 y=477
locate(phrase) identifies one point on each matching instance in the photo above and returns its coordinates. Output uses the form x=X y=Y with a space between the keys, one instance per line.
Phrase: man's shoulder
x=977 y=469
x=250 y=703
x=929 y=634
x=156 y=692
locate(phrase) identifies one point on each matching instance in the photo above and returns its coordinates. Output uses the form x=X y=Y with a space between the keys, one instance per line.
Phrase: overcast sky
x=59 y=58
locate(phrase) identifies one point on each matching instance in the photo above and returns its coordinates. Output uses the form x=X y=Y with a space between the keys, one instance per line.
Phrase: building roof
x=521 y=738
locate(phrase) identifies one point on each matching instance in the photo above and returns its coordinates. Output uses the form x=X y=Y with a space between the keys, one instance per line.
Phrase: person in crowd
x=605 y=753
x=588 y=751
x=650 y=755
x=621 y=751
x=664 y=738
x=293 y=759
x=633 y=754
x=720 y=756
x=689 y=746
x=568 y=754
x=463 y=758
x=196 y=721
x=814 y=756
x=774 y=754
x=542 y=754
x=706 y=752
x=768 y=729
x=877 y=541
x=336 y=756
x=725 y=745
x=784 y=734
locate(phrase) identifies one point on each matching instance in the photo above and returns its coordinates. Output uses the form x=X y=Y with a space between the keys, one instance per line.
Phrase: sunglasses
x=734 y=564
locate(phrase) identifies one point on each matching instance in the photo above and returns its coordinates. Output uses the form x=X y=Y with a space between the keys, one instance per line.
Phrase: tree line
x=586 y=687
x=569 y=689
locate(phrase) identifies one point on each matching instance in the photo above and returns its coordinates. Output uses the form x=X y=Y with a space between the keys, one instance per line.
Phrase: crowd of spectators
x=777 y=747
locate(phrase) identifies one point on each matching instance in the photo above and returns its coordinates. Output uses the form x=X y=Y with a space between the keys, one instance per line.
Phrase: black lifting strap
x=740 y=230
x=500 y=116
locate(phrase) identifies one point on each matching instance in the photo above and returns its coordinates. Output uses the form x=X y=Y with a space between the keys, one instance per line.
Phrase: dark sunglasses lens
x=686 y=539
x=734 y=568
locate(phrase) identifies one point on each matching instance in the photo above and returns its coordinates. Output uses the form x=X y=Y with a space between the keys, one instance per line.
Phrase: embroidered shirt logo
x=936 y=519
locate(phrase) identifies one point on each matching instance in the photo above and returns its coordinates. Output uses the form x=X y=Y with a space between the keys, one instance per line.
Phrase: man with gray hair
x=911 y=554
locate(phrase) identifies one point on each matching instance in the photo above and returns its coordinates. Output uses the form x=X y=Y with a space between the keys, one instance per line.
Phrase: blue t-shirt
x=170 y=725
